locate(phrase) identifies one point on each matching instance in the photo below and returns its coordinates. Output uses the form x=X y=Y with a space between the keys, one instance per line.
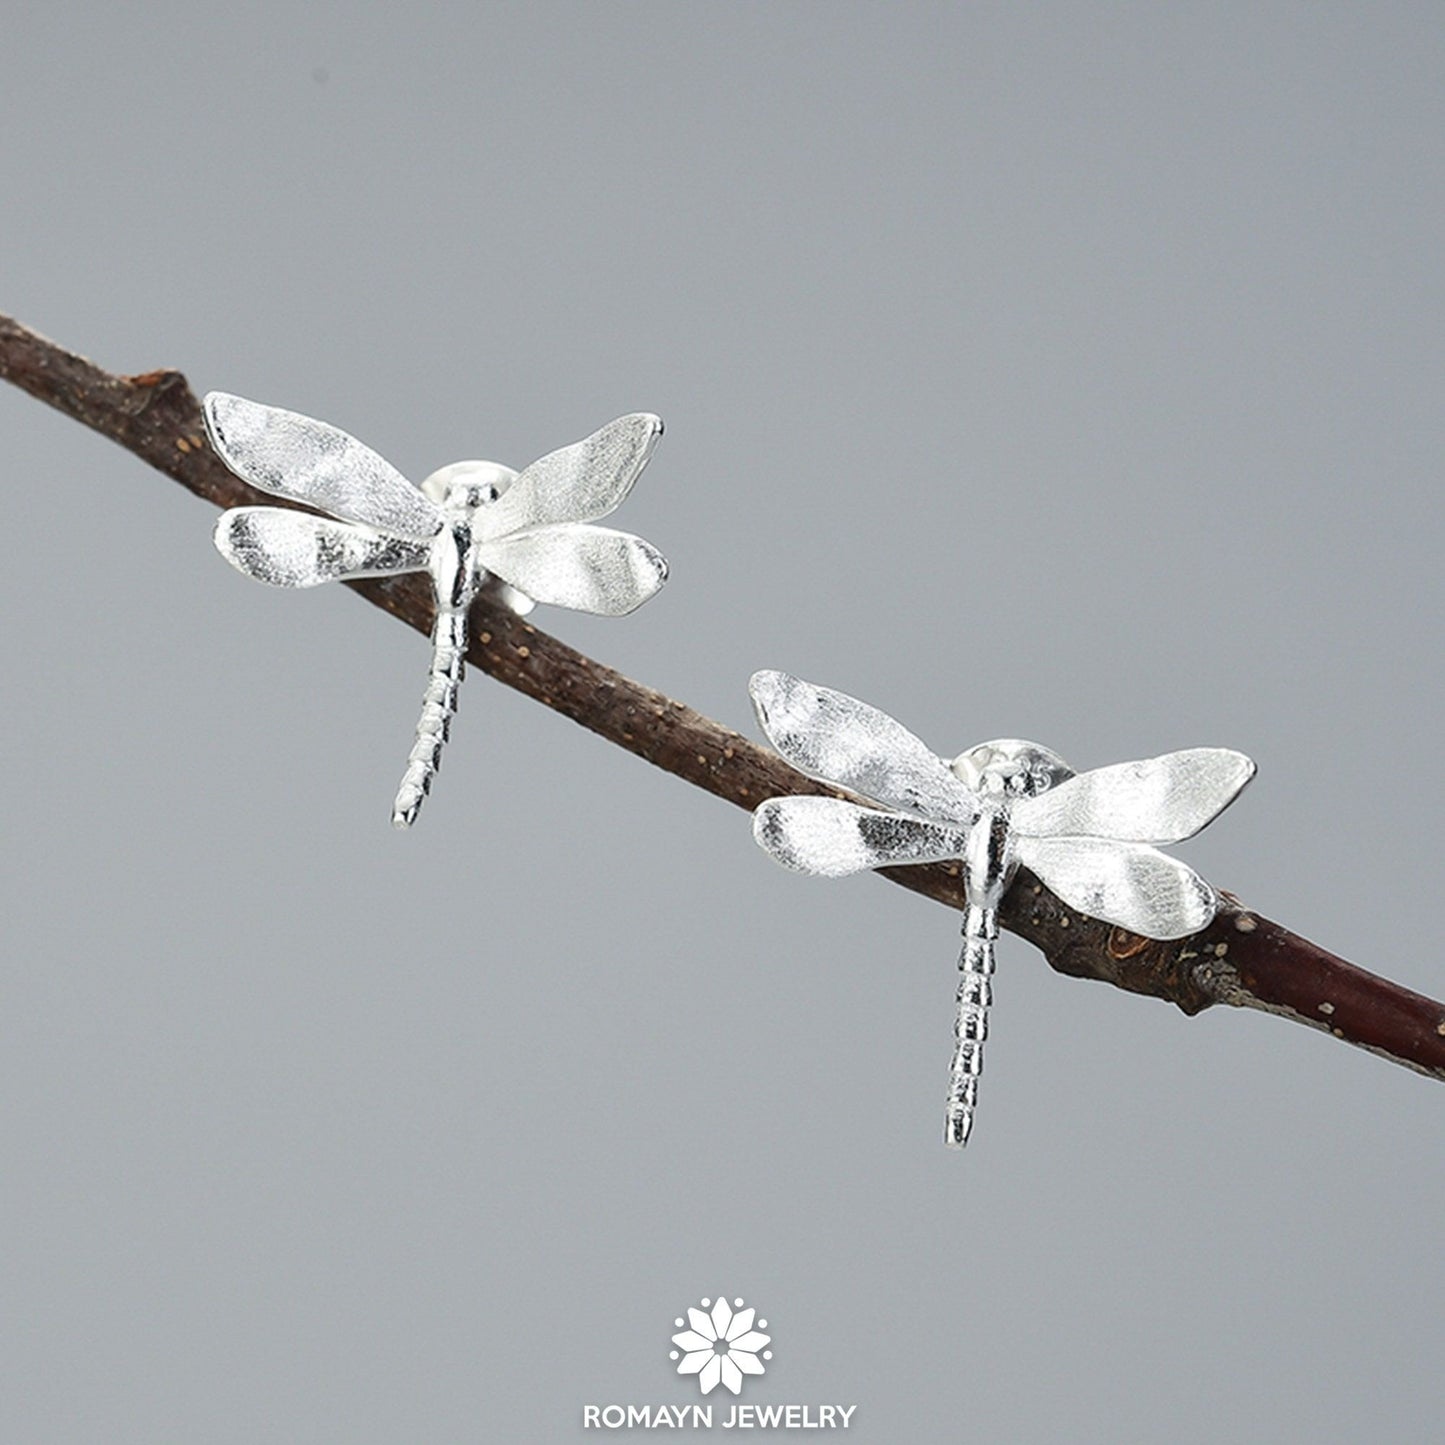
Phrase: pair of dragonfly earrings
x=528 y=538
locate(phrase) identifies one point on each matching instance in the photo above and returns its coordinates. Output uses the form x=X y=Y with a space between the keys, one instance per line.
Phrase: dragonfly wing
x=290 y=455
x=1155 y=800
x=832 y=838
x=578 y=483
x=832 y=736
x=298 y=549
x=1130 y=884
x=592 y=569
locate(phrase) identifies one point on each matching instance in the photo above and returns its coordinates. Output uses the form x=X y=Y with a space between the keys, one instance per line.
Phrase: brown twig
x=1241 y=959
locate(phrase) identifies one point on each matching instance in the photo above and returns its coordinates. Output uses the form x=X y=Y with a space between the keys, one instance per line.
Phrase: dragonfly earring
x=1089 y=837
x=470 y=525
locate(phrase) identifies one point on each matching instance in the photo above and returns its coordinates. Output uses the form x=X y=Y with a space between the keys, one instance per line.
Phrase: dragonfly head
x=464 y=486
x=460 y=490
x=1010 y=767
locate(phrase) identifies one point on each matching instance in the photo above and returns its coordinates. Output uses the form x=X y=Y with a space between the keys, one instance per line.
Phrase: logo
x=721 y=1347
x=721 y=1343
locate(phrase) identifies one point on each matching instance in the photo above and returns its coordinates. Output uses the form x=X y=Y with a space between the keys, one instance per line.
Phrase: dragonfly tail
x=439 y=704
x=975 y=994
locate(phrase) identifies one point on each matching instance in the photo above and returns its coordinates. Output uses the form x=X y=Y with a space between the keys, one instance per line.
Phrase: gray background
x=1071 y=372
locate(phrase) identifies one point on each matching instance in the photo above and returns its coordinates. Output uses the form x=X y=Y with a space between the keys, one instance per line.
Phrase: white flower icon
x=721 y=1347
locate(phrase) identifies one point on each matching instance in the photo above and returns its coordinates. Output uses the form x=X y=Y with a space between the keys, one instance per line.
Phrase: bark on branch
x=1241 y=959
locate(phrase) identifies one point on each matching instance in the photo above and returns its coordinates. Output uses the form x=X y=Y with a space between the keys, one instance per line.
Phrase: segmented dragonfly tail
x=975 y=994
x=449 y=647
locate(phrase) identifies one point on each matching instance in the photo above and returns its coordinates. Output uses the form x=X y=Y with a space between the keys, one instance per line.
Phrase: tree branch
x=1241 y=959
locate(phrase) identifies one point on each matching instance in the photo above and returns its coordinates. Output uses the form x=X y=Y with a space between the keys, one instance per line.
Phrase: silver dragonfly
x=470 y=525
x=1088 y=837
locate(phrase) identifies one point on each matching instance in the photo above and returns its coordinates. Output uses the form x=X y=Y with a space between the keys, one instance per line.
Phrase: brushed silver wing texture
x=832 y=838
x=579 y=483
x=836 y=738
x=1154 y=800
x=1130 y=884
x=299 y=549
x=591 y=569
x=295 y=456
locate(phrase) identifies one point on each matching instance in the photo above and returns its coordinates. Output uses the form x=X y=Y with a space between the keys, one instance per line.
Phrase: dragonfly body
x=457 y=574
x=996 y=773
x=470 y=526
x=1089 y=837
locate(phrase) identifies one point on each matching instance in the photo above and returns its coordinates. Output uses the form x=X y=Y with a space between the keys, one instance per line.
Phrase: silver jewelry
x=468 y=525
x=1088 y=838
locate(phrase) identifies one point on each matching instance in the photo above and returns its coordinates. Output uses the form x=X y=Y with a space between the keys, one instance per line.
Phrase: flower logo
x=721 y=1347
